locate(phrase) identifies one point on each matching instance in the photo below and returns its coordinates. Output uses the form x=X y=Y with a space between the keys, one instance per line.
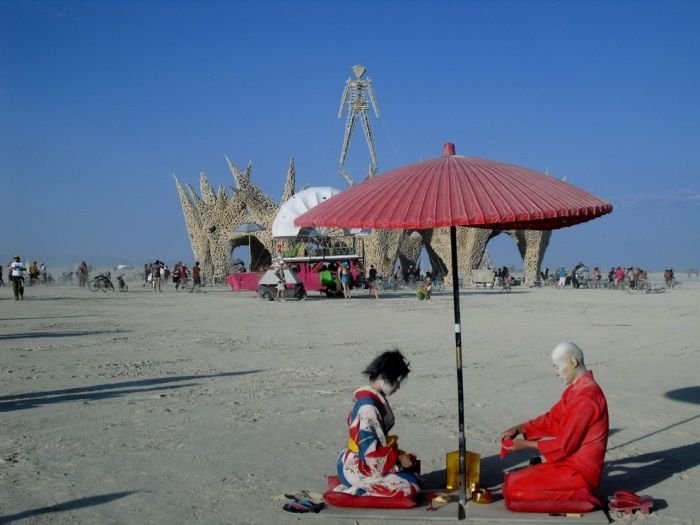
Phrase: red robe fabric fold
x=572 y=438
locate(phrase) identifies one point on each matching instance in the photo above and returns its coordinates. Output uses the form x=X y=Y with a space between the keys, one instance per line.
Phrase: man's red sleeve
x=547 y=425
x=571 y=432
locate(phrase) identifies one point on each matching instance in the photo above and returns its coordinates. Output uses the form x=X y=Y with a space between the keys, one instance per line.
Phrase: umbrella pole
x=460 y=381
x=250 y=254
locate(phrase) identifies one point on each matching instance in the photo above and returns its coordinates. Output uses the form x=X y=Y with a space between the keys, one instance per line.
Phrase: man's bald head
x=567 y=349
x=567 y=359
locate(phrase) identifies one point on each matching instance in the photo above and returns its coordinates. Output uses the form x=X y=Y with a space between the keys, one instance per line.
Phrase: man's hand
x=511 y=433
x=407 y=460
x=521 y=444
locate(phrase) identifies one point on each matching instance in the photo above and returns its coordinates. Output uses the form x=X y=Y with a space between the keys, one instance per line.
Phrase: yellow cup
x=473 y=468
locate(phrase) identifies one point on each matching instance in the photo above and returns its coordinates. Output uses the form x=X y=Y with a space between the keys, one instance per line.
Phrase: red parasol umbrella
x=458 y=191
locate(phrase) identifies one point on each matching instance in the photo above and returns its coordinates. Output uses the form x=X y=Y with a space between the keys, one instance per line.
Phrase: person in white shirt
x=17 y=275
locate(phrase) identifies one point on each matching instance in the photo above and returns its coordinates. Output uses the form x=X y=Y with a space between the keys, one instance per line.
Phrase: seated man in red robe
x=571 y=439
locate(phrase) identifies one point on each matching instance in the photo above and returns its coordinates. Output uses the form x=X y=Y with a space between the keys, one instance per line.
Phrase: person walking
x=2 y=282
x=155 y=276
x=17 y=268
x=196 y=276
x=184 y=275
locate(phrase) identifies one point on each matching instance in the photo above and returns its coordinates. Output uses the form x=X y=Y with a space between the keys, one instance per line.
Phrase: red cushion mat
x=545 y=506
x=340 y=499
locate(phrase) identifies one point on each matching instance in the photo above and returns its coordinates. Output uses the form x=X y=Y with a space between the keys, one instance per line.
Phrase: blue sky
x=102 y=102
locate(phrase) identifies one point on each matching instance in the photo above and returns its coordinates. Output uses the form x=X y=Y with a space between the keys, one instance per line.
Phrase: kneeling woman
x=372 y=464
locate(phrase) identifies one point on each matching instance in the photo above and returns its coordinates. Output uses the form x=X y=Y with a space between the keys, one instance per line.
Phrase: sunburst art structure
x=212 y=216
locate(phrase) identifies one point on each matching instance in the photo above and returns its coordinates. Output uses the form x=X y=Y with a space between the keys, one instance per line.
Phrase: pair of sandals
x=301 y=505
x=626 y=502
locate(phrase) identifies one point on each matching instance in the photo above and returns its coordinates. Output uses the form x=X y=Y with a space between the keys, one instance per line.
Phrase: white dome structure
x=283 y=225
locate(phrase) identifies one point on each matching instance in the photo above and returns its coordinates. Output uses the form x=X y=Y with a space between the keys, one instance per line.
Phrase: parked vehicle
x=101 y=282
x=293 y=287
x=313 y=272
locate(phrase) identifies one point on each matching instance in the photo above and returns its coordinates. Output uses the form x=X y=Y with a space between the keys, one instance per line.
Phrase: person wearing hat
x=17 y=270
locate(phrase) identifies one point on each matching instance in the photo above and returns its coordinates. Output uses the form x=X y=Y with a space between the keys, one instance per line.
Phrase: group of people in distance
x=17 y=271
x=570 y=440
x=158 y=273
x=631 y=277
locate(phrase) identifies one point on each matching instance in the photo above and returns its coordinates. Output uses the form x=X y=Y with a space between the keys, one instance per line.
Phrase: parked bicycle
x=438 y=285
x=101 y=282
x=390 y=284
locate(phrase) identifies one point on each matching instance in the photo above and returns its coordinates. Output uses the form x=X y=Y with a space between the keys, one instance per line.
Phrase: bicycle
x=123 y=287
x=101 y=282
x=412 y=284
x=387 y=284
x=216 y=280
x=438 y=285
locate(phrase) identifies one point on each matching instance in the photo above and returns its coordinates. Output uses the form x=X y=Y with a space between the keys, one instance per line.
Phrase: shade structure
x=249 y=227
x=459 y=191
x=456 y=191
x=283 y=225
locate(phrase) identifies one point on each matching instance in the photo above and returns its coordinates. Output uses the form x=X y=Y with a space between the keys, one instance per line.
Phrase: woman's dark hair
x=392 y=365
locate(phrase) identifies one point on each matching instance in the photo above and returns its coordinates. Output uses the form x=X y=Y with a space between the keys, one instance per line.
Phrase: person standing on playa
x=344 y=272
x=562 y=278
x=82 y=274
x=146 y=275
x=155 y=276
x=571 y=438
x=2 y=281
x=196 y=276
x=372 y=281
x=176 y=276
x=17 y=270
x=619 y=277
x=33 y=272
x=281 y=283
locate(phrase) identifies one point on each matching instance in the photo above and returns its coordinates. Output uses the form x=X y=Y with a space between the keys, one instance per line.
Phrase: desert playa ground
x=207 y=407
